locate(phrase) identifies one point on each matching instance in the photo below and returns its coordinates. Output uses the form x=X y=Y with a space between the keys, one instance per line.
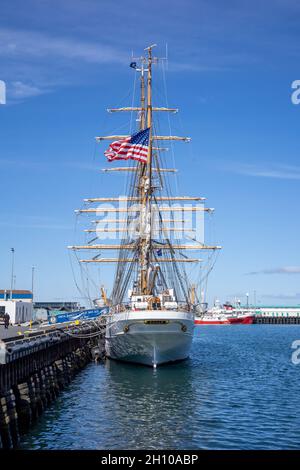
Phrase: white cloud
x=37 y=226
x=281 y=296
x=25 y=163
x=40 y=165
x=34 y=222
x=265 y=171
x=32 y=44
x=280 y=270
x=21 y=90
x=34 y=63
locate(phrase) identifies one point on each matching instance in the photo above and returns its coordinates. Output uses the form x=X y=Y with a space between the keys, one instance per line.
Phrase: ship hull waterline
x=150 y=338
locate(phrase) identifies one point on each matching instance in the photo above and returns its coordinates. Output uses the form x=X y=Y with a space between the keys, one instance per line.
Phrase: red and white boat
x=241 y=317
x=225 y=316
x=212 y=319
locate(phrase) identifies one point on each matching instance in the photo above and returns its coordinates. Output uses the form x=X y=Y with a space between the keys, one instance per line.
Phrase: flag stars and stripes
x=134 y=147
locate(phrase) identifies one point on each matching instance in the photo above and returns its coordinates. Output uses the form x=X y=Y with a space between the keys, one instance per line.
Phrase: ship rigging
x=153 y=243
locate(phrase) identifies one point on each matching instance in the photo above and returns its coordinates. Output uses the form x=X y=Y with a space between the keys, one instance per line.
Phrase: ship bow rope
x=134 y=147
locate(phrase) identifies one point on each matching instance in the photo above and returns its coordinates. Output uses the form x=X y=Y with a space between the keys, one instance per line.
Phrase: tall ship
x=152 y=303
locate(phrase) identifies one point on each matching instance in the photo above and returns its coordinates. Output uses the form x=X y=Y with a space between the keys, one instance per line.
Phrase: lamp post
x=32 y=280
x=247 y=295
x=12 y=271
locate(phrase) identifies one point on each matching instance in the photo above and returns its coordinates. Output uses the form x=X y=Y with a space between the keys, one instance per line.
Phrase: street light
x=32 y=280
x=12 y=271
x=247 y=295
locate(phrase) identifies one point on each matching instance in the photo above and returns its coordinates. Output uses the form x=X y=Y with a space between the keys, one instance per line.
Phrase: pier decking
x=35 y=364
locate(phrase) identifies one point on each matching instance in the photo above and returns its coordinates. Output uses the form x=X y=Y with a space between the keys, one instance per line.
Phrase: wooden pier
x=35 y=365
x=277 y=315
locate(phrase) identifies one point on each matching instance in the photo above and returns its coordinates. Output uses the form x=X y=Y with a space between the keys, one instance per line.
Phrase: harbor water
x=238 y=390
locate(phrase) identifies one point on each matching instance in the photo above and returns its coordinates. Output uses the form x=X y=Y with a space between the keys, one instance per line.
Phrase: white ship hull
x=149 y=337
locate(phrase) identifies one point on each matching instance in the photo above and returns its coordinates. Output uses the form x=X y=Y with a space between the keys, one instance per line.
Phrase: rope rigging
x=171 y=273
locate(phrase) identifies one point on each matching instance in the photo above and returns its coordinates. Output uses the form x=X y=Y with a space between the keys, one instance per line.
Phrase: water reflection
x=152 y=406
x=239 y=390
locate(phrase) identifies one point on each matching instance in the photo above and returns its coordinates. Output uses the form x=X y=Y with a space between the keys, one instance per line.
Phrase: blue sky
x=231 y=66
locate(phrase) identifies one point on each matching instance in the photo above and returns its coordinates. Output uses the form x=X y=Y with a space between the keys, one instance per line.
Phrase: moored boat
x=150 y=337
x=152 y=304
x=224 y=316
x=208 y=319
x=241 y=317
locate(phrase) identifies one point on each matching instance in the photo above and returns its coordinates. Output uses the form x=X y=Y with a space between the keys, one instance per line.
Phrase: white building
x=18 y=304
x=19 y=312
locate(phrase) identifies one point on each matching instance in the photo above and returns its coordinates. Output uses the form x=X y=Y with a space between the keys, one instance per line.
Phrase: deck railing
x=126 y=307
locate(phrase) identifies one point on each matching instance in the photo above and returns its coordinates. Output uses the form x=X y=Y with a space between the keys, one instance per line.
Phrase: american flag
x=134 y=147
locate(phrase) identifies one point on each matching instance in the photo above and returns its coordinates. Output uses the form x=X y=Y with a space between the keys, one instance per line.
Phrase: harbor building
x=278 y=315
x=20 y=295
x=64 y=306
x=42 y=310
x=18 y=304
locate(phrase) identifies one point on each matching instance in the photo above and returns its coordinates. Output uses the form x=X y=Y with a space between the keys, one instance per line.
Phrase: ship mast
x=146 y=186
x=144 y=260
x=142 y=112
